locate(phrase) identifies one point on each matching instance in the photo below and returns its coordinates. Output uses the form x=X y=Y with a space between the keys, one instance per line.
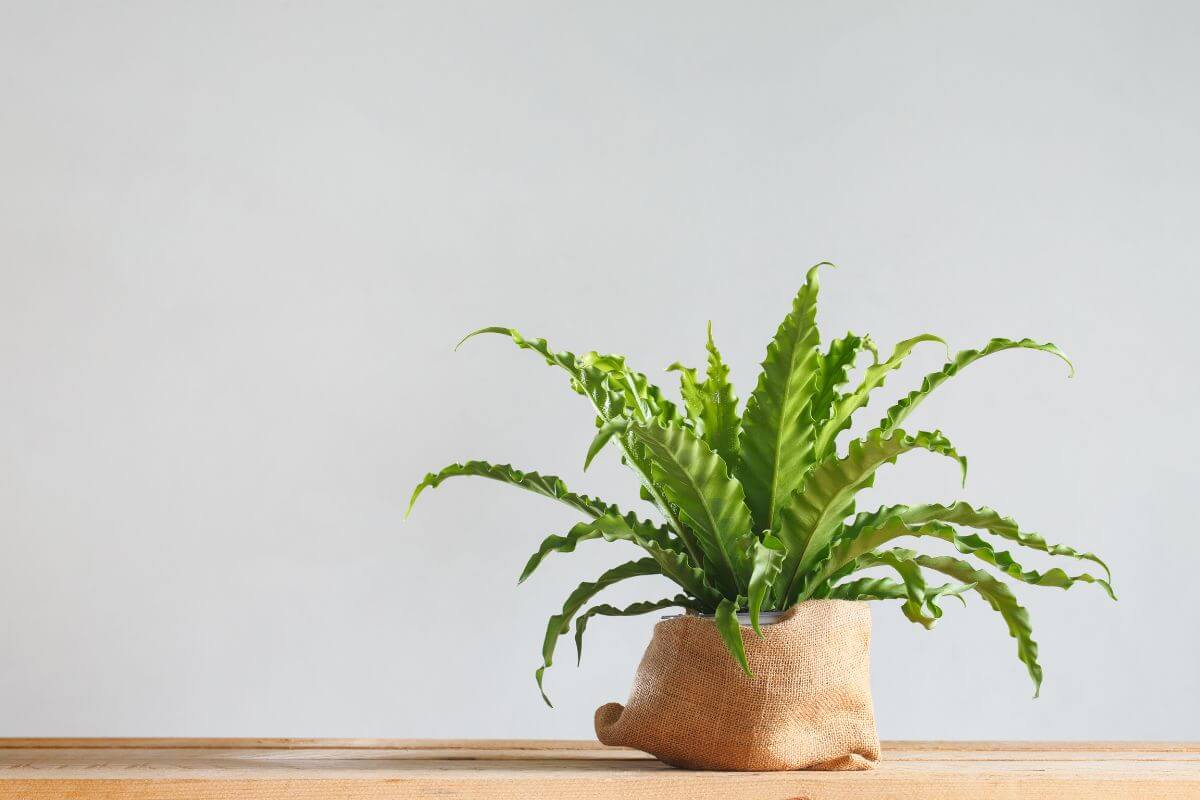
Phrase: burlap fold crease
x=808 y=705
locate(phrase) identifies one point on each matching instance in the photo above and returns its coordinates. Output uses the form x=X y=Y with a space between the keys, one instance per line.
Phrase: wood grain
x=231 y=769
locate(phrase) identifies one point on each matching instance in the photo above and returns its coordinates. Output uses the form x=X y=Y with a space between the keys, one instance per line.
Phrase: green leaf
x=777 y=437
x=610 y=385
x=906 y=405
x=869 y=531
x=606 y=610
x=731 y=631
x=546 y=485
x=833 y=373
x=607 y=431
x=1000 y=598
x=695 y=479
x=655 y=540
x=680 y=568
x=647 y=401
x=993 y=522
x=614 y=390
x=946 y=590
x=693 y=396
x=613 y=387
x=719 y=406
x=847 y=404
x=560 y=623
x=565 y=360
x=602 y=379
x=972 y=545
x=612 y=528
x=912 y=577
x=815 y=511
x=868 y=589
x=888 y=589
x=711 y=404
x=766 y=566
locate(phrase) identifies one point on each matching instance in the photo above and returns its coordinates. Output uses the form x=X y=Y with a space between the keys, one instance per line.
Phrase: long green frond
x=711 y=404
x=674 y=564
x=611 y=527
x=633 y=610
x=564 y=360
x=731 y=631
x=646 y=401
x=868 y=589
x=815 y=511
x=845 y=406
x=615 y=393
x=777 y=437
x=560 y=623
x=990 y=520
x=766 y=564
x=832 y=374
x=693 y=396
x=889 y=589
x=605 y=433
x=718 y=407
x=696 y=481
x=1000 y=598
x=546 y=485
x=906 y=405
x=915 y=588
x=869 y=532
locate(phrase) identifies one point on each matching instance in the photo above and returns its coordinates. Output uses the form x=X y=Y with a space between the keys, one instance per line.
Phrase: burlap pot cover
x=808 y=705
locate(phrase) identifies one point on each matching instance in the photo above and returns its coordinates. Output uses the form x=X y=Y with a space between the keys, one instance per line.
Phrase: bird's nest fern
x=758 y=504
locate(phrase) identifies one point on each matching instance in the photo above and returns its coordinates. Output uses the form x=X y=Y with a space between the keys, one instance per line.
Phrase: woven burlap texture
x=808 y=705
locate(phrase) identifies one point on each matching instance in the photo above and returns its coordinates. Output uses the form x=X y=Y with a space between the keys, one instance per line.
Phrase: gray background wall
x=238 y=240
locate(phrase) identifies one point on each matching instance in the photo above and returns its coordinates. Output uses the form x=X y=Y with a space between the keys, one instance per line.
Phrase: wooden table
x=165 y=769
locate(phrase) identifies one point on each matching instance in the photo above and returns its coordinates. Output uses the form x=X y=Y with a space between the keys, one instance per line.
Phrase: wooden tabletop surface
x=228 y=769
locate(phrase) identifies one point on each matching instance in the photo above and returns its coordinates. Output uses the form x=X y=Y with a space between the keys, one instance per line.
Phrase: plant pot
x=808 y=705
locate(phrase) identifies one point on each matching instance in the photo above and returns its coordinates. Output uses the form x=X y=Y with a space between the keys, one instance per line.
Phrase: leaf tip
x=412 y=500
x=530 y=566
x=1070 y=364
x=489 y=329
x=1055 y=350
x=541 y=671
x=869 y=345
x=810 y=278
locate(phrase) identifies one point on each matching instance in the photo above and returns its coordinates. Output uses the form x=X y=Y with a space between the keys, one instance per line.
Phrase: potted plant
x=758 y=517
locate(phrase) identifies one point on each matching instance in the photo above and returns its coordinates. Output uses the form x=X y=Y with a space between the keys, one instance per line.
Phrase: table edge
x=283 y=743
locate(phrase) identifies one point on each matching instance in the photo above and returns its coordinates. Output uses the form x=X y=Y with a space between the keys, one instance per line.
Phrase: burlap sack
x=808 y=705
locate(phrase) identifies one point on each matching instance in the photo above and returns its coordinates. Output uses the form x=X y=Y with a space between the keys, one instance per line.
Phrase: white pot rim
x=764 y=617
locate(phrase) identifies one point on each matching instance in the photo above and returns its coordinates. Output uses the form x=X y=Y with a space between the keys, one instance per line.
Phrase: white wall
x=238 y=240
